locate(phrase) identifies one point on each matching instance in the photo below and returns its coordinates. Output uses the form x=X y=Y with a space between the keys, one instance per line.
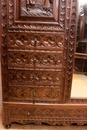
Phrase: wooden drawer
x=35 y=94
x=36 y=59
x=35 y=77
x=35 y=41
x=57 y=114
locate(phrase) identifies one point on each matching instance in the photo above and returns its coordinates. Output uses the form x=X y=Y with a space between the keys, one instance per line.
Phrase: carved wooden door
x=37 y=50
x=35 y=46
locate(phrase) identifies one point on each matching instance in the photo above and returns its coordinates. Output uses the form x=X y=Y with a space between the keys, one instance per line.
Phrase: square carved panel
x=39 y=10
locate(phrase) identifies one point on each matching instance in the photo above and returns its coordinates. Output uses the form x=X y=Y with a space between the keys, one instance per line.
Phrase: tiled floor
x=79 y=86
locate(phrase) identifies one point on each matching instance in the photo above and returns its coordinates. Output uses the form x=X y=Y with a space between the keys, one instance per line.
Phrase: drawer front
x=47 y=112
x=34 y=94
x=58 y=114
x=35 y=77
x=35 y=41
x=35 y=59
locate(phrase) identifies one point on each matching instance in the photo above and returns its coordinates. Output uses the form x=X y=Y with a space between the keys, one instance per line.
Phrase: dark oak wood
x=38 y=45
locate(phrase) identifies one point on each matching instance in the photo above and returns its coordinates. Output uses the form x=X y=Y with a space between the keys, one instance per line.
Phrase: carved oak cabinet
x=38 y=41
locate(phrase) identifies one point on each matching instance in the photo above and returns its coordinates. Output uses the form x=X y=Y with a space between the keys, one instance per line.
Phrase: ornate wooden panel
x=35 y=59
x=35 y=77
x=58 y=114
x=34 y=94
x=35 y=41
x=39 y=8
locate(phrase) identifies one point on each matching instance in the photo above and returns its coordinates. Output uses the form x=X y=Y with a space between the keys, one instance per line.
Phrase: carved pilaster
x=4 y=49
x=71 y=17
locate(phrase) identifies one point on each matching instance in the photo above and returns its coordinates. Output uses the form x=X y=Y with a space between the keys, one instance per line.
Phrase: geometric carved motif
x=35 y=41
x=35 y=59
x=47 y=113
x=53 y=115
x=34 y=94
x=31 y=77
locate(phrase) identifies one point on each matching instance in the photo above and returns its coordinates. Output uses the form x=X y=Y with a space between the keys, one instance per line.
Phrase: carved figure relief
x=37 y=8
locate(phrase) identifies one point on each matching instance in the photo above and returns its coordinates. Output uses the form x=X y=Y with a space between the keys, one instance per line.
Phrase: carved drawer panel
x=35 y=41
x=34 y=94
x=57 y=114
x=35 y=59
x=45 y=112
x=35 y=77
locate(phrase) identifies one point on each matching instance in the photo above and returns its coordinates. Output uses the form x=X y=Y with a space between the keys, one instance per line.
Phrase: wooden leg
x=8 y=126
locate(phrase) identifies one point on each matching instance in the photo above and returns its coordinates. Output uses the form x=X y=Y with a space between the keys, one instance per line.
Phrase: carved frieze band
x=31 y=77
x=35 y=41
